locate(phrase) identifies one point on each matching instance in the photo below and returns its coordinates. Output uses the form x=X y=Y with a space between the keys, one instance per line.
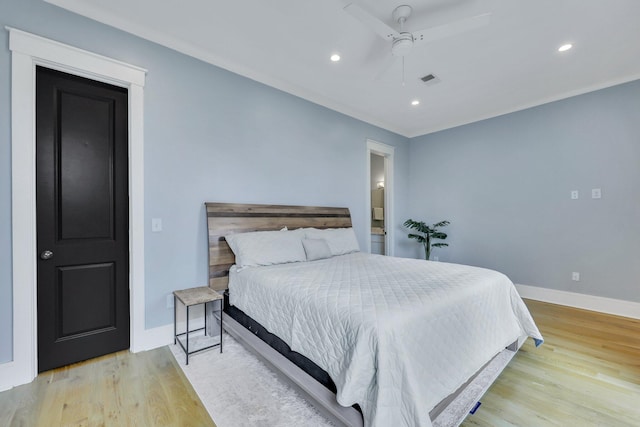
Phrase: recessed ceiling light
x=565 y=47
x=335 y=57
x=415 y=102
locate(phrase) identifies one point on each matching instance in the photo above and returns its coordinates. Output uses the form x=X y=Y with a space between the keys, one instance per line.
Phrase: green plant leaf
x=418 y=237
x=419 y=226
x=439 y=245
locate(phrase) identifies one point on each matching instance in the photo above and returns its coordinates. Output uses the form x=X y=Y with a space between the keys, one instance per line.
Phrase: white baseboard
x=8 y=377
x=587 y=302
x=163 y=335
x=154 y=338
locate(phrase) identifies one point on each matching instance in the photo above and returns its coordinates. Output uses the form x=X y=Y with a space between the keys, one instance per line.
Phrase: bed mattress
x=396 y=335
x=302 y=362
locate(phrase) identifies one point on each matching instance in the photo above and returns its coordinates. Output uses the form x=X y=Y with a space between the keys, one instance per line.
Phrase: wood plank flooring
x=120 y=389
x=587 y=373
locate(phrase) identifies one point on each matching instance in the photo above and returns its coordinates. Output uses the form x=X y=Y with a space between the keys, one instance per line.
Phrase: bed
x=365 y=337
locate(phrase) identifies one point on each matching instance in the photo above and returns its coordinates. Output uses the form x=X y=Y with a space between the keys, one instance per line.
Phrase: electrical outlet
x=574 y=194
x=170 y=300
x=575 y=276
x=156 y=225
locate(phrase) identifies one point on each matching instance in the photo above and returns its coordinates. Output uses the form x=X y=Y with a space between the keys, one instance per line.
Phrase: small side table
x=189 y=298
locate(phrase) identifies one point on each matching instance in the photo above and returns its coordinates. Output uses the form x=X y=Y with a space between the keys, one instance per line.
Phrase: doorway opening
x=379 y=186
x=377 y=204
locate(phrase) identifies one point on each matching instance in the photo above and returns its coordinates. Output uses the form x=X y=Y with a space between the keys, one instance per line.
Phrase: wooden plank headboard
x=229 y=218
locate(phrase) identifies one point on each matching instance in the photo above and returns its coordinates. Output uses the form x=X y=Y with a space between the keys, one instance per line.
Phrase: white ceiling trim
x=543 y=101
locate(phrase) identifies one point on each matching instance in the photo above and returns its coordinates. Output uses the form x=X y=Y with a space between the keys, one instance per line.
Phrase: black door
x=82 y=218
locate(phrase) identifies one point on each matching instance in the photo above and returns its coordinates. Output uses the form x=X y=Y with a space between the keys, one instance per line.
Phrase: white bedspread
x=396 y=335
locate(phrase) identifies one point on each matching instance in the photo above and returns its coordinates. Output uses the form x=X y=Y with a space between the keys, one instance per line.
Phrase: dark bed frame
x=310 y=380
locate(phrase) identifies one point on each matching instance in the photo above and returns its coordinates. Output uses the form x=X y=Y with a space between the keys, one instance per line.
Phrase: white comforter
x=396 y=335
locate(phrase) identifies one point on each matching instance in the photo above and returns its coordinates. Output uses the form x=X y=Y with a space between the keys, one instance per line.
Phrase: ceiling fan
x=402 y=42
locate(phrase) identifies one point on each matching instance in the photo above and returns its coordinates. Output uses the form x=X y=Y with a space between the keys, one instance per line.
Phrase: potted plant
x=426 y=234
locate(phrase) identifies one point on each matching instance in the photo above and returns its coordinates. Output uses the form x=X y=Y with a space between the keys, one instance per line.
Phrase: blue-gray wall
x=210 y=135
x=505 y=185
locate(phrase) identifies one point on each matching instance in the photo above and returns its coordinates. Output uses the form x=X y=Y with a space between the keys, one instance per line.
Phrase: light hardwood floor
x=587 y=373
x=121 y=389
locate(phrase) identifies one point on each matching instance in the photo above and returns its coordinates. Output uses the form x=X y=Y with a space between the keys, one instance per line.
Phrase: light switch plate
x=596 y=193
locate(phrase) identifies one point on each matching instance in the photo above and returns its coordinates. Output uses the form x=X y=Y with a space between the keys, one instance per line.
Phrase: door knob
x=46 y=255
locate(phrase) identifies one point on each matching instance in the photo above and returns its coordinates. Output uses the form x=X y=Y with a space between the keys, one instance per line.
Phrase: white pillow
x=316 y=249
x=266 y=248
x=340 y=240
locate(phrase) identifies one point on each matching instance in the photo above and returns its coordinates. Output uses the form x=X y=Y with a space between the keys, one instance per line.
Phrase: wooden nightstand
x=191 y=297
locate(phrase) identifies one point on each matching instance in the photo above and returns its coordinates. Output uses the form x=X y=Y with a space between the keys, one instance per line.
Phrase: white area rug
x=238 y=390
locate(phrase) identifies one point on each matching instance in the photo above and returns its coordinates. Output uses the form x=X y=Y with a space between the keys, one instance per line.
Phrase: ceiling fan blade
x=386 y=65
x=451 y=29
x=379 y=27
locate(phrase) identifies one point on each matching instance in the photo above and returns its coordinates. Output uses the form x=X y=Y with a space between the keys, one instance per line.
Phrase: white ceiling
x=508 y=65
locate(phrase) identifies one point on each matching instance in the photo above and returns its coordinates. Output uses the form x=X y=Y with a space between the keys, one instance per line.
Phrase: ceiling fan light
x=402 y=46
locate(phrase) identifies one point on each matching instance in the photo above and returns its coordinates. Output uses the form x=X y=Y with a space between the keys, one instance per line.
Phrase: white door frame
x=386 y=151
x=28 y=51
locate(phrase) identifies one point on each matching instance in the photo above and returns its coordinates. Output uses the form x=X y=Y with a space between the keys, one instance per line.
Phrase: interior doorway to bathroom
x=379 y=196
x=377 y=204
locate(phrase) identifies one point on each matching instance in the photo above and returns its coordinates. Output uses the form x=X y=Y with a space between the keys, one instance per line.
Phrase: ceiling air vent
x=429 y=79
